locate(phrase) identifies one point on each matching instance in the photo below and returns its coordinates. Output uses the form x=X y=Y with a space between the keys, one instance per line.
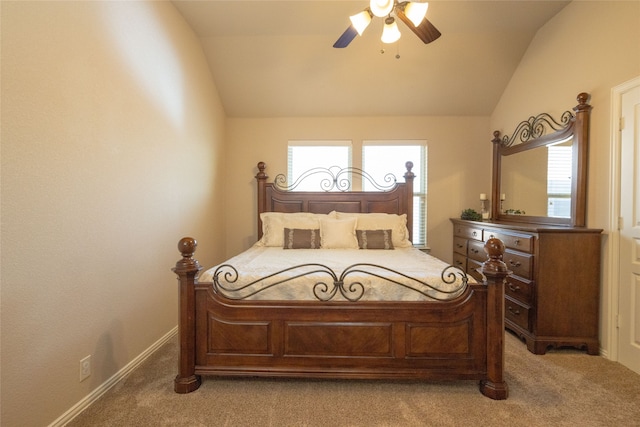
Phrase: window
x=306 y=155
x=379 y=158
x=382 y=157
x=559 y=181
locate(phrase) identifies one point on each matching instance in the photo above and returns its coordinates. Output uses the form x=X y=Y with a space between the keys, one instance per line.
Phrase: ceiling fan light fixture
x=381 y=8
x=390 y=32
x=411 y=13
x=361 y=21
x=416 y=12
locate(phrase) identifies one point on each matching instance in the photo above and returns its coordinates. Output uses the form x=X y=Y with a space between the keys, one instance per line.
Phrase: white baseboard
x=107 y=385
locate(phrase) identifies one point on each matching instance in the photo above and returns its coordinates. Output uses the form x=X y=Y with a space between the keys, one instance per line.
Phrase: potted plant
x=471 y=215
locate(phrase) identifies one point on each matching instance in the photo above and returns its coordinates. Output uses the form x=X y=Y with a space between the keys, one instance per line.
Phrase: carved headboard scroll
x=397 y=198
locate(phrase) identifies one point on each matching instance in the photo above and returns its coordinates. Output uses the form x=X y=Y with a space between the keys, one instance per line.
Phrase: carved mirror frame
x=540 y=131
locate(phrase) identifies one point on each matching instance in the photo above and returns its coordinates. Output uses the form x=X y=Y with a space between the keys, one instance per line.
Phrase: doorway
x=626 y=216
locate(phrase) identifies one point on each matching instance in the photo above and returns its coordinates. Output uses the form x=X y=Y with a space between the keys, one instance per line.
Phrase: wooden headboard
x=395 y=199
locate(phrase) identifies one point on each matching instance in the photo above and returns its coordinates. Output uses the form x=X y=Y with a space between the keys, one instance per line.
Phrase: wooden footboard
x=452 y=340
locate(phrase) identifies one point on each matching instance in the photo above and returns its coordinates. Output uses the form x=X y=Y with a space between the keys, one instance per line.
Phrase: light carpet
x=562 y=388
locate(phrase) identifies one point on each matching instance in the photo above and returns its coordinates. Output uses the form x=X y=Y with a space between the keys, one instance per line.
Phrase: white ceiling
x=273 y=58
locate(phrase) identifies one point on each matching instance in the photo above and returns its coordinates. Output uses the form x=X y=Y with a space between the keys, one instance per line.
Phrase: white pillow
x=382 y=221
x=338 y=234
x=274 y=223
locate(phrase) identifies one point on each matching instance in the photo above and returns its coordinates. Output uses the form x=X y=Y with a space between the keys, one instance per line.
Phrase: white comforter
x=316 y=281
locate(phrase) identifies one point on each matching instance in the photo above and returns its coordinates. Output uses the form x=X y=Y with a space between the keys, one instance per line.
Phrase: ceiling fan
x=411 y=13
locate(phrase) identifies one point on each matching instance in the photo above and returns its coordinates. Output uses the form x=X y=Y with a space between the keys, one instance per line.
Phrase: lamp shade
x=361 y=21
x=381 y=8
x=416 y=12
x=390 y=32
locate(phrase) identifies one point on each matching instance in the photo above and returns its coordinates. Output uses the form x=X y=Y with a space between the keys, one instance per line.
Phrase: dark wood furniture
x=532 y=136
x=459 y=339
x=552 y=297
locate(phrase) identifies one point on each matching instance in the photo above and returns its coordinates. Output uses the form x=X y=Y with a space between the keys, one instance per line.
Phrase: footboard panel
x=433 y=340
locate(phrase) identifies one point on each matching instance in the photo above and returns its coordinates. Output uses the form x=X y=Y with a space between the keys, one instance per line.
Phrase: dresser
x=552 y=295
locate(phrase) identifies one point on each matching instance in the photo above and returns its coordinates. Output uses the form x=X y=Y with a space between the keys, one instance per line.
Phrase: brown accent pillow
x=374 y=239
x=298 y=238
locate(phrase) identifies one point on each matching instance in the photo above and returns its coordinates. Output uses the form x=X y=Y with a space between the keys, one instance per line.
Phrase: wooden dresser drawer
x=460 y=261
x=467 y=232
x=519 y=242
x=550 y=298
x=472 y=269
x=519 y=289
x=460 y=245
x=520 y=264
x=517 y=313
x=476 y=251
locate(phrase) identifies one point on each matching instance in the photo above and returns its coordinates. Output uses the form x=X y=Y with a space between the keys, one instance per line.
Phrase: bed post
x=261 y=177
x=408 y=179
x=187 y=268
x=495 y=271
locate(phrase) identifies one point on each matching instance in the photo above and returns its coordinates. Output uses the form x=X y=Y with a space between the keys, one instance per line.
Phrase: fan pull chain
x=382 y=50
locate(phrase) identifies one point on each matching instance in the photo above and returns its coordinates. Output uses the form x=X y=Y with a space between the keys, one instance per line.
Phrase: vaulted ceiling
x=272 y=58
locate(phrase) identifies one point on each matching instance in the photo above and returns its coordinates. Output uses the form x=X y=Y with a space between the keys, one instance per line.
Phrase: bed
x=230 y=324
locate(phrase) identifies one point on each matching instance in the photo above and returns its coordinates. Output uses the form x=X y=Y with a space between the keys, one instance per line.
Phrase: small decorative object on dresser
x=470 y=214
x=552 y=295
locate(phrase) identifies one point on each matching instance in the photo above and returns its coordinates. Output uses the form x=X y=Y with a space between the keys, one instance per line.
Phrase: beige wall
x=588 y=47
x=112 y=137
x=459 y=164
x=112 y=149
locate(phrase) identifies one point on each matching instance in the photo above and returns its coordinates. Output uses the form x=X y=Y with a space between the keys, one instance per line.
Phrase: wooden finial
x=495 y=250
x=496 y=137
x=583 y=99
x=261 y=168
x=187 y=247
x=408 y=173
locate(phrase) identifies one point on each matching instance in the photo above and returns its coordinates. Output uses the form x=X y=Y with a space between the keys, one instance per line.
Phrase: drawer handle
x=474 y=234
x=513 y=288
x=514 y=263
x=458 y=262
x=517 y=242
x=475 y=251
x=459 y=245
x=516 y=312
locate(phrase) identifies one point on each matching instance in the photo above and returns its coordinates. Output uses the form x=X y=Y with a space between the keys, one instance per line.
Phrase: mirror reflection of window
x=559 y=181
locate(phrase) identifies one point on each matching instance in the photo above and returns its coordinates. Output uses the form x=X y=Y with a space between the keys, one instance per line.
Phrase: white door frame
x=614 y=214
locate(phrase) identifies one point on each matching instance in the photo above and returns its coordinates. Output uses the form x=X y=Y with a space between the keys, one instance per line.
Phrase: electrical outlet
x=85 y=368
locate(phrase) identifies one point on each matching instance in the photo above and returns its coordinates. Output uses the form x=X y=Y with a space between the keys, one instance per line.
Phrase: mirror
x=537 y=182
x=539 y=172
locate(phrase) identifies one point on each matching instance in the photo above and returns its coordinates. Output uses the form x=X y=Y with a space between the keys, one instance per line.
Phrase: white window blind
x=559 y=181
x=306 y=155
x=382 y=157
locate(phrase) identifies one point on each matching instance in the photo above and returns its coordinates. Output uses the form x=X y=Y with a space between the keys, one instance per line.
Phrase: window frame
x=420 y=187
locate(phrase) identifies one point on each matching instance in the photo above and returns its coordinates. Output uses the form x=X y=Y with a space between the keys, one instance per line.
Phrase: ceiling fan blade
x=425 y=31
x=346 y=37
